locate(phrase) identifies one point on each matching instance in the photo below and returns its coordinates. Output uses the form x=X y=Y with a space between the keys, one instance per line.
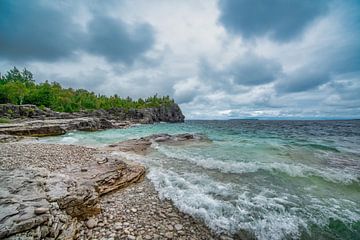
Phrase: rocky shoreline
x=29 y=120
x=52 y=191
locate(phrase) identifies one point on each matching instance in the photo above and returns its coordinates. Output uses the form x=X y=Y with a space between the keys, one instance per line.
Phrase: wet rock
x=142 y=145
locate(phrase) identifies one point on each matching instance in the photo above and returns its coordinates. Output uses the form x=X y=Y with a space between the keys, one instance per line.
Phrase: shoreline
x=134 y=212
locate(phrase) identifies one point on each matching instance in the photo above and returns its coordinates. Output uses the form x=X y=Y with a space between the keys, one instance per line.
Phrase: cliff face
x=170 y=113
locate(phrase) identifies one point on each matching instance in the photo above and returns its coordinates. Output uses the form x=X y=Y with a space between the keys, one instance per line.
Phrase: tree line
x=19 y=87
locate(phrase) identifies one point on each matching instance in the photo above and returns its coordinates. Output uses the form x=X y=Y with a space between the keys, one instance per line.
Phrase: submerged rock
x=142 y=145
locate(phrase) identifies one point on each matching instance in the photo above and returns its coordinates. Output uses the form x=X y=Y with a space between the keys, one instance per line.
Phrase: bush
x=4 y=120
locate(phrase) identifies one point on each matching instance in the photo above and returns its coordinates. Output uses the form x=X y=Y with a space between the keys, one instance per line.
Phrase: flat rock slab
x=52 y=127
x=48 y=204
x=142 y=145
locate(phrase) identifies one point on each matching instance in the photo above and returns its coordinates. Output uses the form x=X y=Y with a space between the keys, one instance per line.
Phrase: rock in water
x=142 y=145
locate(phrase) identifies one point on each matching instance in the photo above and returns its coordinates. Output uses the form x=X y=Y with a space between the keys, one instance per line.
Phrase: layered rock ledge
x=29 y=120
x=164 y=113
x=42 y=204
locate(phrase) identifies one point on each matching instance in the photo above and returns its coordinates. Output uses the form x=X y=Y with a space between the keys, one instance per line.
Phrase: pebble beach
x=135 y=212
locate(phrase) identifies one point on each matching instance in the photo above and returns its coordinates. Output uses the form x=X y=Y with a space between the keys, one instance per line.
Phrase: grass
x=4 y=120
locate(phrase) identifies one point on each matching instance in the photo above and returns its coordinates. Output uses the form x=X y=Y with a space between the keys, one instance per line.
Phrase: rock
x=133 y=210
x=142 y=145
x=178 y=227
x=165 y=113
x=4 y=138
x=91 y=223
x=44 y=231
x=27 y=129
x=39 y=211
x=115 y=175
x=117 y=226
x=169 y=235
x=131 y=237
x=26 y=195
x=20 y=192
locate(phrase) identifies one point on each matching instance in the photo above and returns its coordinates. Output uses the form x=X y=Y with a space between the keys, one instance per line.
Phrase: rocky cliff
x=171 y=113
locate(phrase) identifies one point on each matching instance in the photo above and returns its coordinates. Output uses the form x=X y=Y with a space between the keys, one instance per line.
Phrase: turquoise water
x=258 y=179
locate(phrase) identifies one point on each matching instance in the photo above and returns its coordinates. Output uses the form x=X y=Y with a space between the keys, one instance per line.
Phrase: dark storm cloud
x=44 y=30
x=32 y=30
x=302 y=80
x=116 y=41
x=331 y=60
x=282 y=20
x=252 y=70
x=247 y=70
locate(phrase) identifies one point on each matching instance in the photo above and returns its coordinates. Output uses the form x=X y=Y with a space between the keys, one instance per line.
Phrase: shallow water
x=262 y=179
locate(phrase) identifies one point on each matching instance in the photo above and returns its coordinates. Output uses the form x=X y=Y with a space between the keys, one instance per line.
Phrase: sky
x=218 y=59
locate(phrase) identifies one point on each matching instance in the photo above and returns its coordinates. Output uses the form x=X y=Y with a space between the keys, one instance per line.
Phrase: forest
x=19 y=87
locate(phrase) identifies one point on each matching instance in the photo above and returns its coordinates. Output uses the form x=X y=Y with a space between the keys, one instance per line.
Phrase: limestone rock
x=4 y=138
x=168 y=113
x=142 y=145
x=91 y=223
x=39 y=211
x=47 y=204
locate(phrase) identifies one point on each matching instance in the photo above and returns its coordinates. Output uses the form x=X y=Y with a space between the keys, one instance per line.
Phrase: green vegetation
x=4 y=120
x=19 y=87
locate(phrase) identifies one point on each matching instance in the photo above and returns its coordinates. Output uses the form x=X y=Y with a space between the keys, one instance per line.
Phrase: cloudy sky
x=217 y=58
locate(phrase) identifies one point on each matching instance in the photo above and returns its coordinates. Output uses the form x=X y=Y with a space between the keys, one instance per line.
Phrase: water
x=261 y=179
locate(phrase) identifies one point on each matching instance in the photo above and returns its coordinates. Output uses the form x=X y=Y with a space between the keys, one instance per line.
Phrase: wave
x=294 y=170
x=320 y=147
x=264 y=215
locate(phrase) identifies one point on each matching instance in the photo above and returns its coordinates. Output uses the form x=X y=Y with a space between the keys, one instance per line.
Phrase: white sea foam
x=263 y=216
x=69 y=140
x=292 y=169
x=267 y=215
